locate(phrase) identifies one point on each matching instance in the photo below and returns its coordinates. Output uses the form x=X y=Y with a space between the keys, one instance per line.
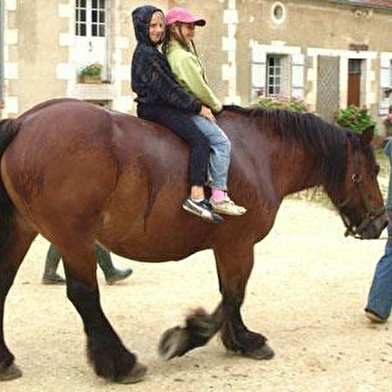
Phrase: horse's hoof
x=135 y=375
x=264 y=352
x=172 y=343
x=10 y=372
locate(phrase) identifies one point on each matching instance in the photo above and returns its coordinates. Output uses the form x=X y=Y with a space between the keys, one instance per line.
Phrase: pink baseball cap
x=182 y=15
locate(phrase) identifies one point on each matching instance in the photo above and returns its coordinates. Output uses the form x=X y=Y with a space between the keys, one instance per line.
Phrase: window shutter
x=385 y=83
x=297 y=88
x=257 y=73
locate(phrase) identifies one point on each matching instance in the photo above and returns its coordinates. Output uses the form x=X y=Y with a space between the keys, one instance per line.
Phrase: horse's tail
x=8 y=131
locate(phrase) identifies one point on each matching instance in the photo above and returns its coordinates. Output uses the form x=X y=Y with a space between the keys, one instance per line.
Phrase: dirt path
x=306 y=294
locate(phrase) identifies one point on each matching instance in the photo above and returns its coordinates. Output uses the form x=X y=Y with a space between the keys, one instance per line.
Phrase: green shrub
x=355 y=118
x=282 y=102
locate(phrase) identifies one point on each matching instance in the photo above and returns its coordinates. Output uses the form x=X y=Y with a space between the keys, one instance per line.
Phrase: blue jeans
x=380 y=294
x=220 y=146
x=182 y=125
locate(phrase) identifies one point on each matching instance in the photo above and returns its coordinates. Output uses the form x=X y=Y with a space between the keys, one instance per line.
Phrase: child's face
x=157 y=27
x=188 y=30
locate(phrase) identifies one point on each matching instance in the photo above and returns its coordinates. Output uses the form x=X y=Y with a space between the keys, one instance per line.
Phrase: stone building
x=330 y=53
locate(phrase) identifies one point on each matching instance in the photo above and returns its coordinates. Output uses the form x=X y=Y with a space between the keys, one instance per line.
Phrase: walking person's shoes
x=117 y=275
x=52 y=279
x=374 y=317
x=202 y=209
x=227 y=207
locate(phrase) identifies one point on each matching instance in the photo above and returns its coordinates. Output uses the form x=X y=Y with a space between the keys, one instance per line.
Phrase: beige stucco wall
x=308 y=24
x=33 y=53
x=40 y=37
x=39 y=43
x=315 y=24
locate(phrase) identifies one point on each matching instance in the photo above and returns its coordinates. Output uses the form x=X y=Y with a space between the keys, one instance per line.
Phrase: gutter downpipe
x=2 y=19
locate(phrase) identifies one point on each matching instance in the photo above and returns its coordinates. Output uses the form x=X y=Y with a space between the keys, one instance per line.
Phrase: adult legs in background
x=379 y=303
x=112 y=274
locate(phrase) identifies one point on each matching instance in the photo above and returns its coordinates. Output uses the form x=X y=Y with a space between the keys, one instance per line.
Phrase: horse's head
x=358 y=199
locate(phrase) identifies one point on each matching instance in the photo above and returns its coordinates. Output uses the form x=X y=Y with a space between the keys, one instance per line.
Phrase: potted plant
x=91 y=73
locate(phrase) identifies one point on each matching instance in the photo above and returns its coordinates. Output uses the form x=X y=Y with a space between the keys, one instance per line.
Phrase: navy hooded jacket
x=152 y=79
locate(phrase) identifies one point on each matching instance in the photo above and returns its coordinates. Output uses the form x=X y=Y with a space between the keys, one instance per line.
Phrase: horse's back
x=60 y=161
x=81 y=168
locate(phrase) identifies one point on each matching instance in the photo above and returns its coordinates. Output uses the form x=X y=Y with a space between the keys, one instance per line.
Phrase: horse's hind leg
x=234 y=268
x=14 y=247
x=106 y=352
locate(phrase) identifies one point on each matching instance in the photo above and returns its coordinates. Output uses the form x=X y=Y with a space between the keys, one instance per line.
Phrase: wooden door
x=354 y=82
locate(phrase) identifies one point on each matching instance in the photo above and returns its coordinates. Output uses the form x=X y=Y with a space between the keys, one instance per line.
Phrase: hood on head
x=141 y=17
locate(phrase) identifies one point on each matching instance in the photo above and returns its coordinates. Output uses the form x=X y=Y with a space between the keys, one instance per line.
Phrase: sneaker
x=203 y=209
x=374 y=317
x=227 y=207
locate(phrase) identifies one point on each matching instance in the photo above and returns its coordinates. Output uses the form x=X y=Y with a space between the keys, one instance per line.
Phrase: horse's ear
x=367 y=136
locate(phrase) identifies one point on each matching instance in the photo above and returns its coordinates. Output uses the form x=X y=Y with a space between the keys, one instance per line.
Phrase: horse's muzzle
x=372 y=228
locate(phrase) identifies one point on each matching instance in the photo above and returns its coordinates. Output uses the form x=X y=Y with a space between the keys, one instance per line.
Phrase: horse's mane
x=325 y=142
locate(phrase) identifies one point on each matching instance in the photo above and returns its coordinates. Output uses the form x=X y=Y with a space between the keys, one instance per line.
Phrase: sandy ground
x=306 y=294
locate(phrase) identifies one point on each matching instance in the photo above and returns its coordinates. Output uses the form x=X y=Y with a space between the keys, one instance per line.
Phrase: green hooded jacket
x=189 y=72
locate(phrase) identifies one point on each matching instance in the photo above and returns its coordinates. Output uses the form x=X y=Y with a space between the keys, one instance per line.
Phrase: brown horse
x=77 y=173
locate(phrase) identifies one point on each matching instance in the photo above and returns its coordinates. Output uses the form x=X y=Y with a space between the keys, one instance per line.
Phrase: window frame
x=273 y=87
x=90 y=18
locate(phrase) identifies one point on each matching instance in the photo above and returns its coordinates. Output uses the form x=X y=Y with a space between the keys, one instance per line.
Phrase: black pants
x=180 y=123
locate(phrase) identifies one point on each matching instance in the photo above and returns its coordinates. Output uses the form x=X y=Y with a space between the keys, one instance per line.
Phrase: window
x=274 y=75
x=278 y=12
x=385 y=86
x=354 y=66
x=390 y=74
x=91 y=38
x=81 y=18
x=90 y=18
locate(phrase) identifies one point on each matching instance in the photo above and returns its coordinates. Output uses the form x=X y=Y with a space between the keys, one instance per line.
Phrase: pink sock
x=218 y=195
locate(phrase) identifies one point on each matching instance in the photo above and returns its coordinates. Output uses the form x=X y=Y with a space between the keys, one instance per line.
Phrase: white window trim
x=258 y=67
x=385 y=82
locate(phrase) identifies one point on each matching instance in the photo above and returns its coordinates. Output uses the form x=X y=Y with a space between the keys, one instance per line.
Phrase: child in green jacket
x=186 y=66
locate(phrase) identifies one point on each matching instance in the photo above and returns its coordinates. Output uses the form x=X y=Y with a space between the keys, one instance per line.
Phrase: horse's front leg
x=234 y=267
x=106 y=352
x=199 y=328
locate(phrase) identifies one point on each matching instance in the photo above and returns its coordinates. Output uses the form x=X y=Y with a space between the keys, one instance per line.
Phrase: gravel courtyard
x=306 y=294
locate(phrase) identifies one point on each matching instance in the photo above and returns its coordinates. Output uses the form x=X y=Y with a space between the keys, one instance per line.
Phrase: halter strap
x=371 y=213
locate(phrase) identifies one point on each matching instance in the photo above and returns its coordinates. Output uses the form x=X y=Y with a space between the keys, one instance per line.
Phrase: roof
x=383 y=4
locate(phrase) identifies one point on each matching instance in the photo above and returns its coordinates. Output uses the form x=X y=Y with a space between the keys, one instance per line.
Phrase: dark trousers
x=182 y=125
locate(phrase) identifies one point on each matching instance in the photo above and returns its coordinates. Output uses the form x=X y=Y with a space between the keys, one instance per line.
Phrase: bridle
x=371 y=213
